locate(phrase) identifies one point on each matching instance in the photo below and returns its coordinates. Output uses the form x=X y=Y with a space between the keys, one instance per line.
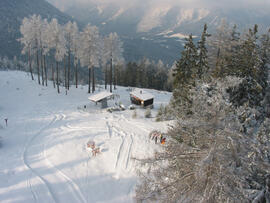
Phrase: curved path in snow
x=60 y=188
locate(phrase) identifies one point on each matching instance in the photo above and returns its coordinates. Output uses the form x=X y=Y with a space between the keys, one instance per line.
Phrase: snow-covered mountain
x=157 y=29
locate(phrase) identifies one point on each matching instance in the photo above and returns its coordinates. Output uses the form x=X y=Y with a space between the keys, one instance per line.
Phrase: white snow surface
x=43 y=153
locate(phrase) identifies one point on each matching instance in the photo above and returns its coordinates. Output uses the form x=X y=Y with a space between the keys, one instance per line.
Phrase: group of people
x=157 y=136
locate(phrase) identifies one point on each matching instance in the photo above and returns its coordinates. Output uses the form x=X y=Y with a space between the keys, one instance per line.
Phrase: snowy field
x=43 y=153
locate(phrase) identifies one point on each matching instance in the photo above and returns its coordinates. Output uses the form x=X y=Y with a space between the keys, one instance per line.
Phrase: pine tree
x=185 y=76
x=203 y=66
x=232 y=56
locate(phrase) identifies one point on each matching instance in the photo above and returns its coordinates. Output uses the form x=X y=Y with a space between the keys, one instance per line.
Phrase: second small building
x=141 y=97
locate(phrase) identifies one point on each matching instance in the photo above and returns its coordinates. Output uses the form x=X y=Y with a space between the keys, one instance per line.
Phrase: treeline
x=219 y=147
x=50 y=45
x=15 y=64
x=145 y=74
x=60 y=53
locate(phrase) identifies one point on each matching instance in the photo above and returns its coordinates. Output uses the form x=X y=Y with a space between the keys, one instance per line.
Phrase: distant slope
x=12 y=13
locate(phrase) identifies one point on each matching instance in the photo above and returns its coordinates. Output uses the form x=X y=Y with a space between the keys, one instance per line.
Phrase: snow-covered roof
x=141 y=94
x=99 y=96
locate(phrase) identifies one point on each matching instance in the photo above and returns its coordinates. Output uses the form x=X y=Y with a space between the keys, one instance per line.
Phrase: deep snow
x=43 y=154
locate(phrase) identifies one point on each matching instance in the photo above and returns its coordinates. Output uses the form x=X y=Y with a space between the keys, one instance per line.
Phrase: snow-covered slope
x=43 y=154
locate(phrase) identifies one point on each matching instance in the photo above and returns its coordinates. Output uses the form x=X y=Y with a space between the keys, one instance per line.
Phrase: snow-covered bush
x=147 y=113
x=164 y=113
x=134 y=115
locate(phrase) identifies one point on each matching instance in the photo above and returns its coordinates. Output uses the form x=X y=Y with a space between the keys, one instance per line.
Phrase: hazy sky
x=260 y=4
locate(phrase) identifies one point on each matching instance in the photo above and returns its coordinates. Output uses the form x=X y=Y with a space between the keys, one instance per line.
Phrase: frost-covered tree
x=72 y=43
x=185 y=75
x=105 y=58
x=44 y=48
x=74 y=47
x=89 y=51
x=57 y=42
x=219 y=46
x=207 y=158
x=202 y=55
x=34 y=33
x=27 y=40
x=114 y=48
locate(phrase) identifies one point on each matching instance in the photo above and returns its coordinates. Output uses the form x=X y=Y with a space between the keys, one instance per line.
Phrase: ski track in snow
x=129 y=151
x=55 y=174
x=72 y=187
x=124 y=151
x=80 y=128
x=28 y=165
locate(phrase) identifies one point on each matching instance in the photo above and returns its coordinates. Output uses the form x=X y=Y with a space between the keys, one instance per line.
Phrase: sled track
x=109 y=128
x=119 y=152
x=129 y=150
x=69 y=183
x=32 y=191
x=126 y=145
x=68 y=126
x=74 y=188
x=55 y=173
x=27 y=164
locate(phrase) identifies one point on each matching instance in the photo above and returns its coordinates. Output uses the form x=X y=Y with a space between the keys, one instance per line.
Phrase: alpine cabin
x=141 y=97
x=101 y=97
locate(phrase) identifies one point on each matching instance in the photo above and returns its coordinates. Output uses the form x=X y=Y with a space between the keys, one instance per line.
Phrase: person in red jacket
x=163 y=140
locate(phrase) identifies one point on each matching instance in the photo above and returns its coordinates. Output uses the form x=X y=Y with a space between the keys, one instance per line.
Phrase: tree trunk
x=93 y=80
x=57 y=77
x=89 y=80
x=38 y=68
x=53 y=75
x=45 y=70
x=114 y=78
x=106 y=76
x=111 y=76
x=76 y=75
x=65 y=72
x=42 y=68
x=68 y=76
x=30 y=63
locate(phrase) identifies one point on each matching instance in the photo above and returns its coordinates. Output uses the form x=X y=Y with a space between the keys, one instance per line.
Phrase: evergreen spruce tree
x=184 y=76
x=232 y=59
x=202 y=56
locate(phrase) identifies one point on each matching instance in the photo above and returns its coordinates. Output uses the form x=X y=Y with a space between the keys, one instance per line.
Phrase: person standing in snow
x=156 y=137
x=161 y=137
x=163 y=140
x=6 y=120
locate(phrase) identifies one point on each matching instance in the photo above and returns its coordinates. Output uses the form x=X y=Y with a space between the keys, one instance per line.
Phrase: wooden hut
x=101 y=97
x=141 y=97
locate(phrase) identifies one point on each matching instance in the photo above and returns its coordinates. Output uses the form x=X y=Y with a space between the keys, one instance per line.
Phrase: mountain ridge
x=12 y=13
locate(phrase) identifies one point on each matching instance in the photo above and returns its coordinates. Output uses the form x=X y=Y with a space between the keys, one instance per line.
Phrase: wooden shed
x=101 y=97
x=141 y=97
